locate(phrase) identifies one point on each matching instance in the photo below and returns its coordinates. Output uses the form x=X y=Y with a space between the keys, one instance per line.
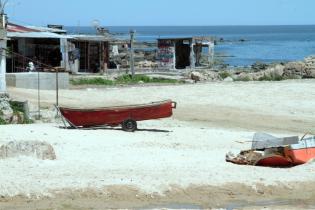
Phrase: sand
x=175 y=163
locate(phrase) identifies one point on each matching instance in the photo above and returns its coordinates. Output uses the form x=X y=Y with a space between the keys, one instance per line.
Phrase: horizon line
x=191 y=25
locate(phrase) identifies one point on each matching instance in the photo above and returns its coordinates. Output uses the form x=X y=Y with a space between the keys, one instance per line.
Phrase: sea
x=242 y=45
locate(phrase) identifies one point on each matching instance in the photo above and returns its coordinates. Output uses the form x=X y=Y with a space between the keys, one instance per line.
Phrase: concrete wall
x=30 y=80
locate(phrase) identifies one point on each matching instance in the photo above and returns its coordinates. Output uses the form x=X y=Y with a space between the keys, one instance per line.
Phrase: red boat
x=269 y=151
x=126 y=116
x=291 y=155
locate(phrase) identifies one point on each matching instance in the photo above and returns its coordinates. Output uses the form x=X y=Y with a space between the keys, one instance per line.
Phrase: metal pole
x=3 y=45
x=132 y=59
x=38 y=94
x=57 y=87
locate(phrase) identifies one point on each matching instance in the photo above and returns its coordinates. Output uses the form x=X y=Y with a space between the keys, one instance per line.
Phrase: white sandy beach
x=185 y=151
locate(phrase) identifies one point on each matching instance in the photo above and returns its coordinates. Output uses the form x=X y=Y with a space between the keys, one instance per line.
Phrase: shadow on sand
x=116 y=129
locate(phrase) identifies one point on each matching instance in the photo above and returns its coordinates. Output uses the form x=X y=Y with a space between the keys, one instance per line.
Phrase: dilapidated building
x=25 y=43
x=94 y=52
x=182 y=53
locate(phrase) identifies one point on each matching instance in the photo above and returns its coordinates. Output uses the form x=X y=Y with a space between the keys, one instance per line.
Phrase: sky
x=162 y=12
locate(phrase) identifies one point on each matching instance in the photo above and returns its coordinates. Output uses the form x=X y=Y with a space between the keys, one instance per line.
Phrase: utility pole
x=3 y=46
x=132 y=59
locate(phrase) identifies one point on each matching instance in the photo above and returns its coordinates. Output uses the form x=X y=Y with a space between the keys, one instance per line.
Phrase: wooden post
x=132 y=59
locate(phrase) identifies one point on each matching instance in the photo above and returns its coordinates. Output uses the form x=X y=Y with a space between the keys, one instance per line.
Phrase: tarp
x=265 y=141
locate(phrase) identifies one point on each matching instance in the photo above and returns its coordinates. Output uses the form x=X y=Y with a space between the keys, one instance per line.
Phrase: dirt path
x=264 y=106
x=229 y=196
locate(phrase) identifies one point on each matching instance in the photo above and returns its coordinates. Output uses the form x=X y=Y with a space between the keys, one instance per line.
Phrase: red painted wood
x=274 y=161
x=116 y=115
x=301 y=156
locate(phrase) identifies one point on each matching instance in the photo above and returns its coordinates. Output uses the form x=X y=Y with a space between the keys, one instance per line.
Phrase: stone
x=212 y=75
x=36 y=149
x=17 y=118
x=294 y=69
x=310 y=73
x=6 y=112
x=258 y=66
x=197 y=76
x=228 y=79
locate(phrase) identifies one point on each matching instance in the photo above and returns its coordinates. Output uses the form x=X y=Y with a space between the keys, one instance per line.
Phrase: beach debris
x=270 y=151
x=244 y=158
x=36 y=149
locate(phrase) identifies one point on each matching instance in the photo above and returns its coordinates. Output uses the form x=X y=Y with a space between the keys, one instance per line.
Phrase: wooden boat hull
x=293 y=155
x=114 y=116
x=301 y=156
x=274 y=161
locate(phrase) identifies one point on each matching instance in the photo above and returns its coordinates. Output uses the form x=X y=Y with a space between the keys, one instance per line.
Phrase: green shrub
x=91 y=81
x=243 y=79
x=18 y=108
x=271 y=78
x=124 y=79
x=224 y=74
x=2 y=121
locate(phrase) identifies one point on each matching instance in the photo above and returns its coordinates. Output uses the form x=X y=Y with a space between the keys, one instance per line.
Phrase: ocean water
x=263 y=43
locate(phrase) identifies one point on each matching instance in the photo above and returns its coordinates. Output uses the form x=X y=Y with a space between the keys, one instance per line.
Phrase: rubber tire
x=129 y=125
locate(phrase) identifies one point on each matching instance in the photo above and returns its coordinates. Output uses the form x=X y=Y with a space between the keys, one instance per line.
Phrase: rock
x=6 y=112
x=279 y=70
x=228 y=79
x=197 y=76
x=310 y=73
x=258 y=66
x=212 y=75
x=294 y=69
x=17 y=118
x=36 y=149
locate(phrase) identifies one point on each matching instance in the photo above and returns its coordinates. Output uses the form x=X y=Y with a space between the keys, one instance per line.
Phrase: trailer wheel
x=129 y=125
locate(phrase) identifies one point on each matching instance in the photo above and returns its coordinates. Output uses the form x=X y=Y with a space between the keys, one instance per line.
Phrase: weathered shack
x=25 y=43
x=181 y=53
x=94 y=52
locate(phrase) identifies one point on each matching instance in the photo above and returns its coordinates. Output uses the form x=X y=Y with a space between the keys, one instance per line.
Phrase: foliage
x=18 y=108
x=91 y=81
x=224 y=74
x=2 y=121
x=125 y=79
x=242 y=79
x=271 y=78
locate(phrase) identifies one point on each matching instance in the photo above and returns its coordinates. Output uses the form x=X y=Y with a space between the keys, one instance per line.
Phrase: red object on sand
x=293 y=155
x=274 y=161
x=127 y=116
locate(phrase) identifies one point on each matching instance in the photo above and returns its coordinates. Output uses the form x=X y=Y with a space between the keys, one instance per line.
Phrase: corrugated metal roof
x=37 y=35
x=53 y=30
x=99 y=38
x=18 y=28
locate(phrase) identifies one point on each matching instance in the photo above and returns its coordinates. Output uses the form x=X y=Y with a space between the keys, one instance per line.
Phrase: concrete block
x=47 y=81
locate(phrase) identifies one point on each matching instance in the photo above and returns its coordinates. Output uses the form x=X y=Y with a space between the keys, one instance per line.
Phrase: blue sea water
x=263 y=43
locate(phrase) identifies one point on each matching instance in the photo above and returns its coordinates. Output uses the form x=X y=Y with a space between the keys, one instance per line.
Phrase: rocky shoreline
x=260 y=72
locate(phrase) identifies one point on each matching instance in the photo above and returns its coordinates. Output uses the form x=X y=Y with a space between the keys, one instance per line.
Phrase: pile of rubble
x=36 y=149
x=7 y=114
